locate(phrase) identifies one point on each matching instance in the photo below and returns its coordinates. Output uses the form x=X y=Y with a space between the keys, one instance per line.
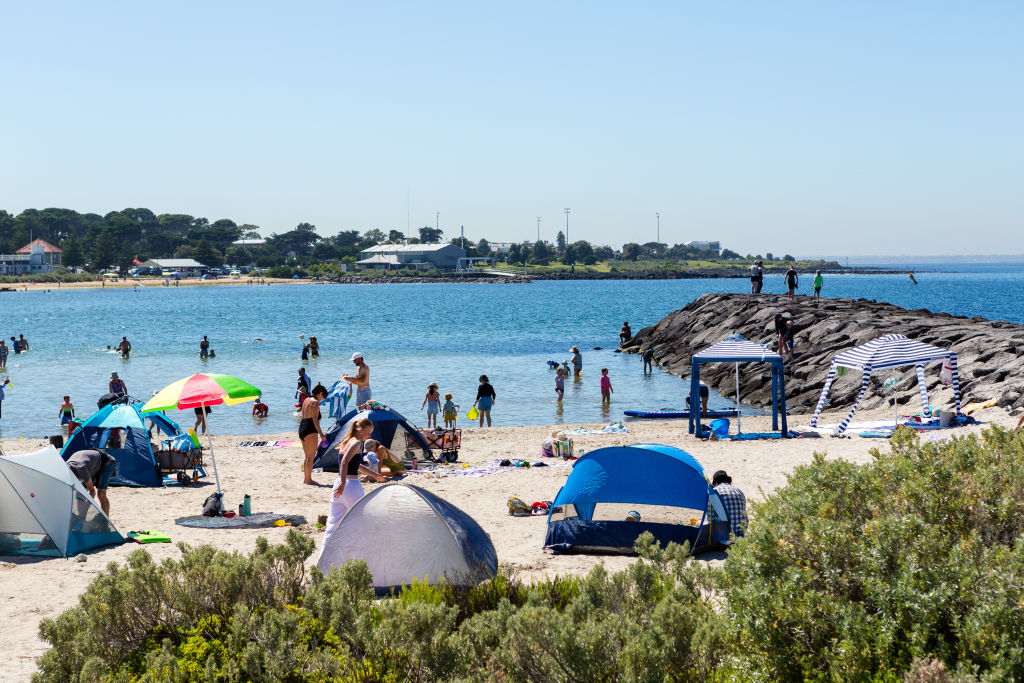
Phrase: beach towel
x=257 y=520
x=754 y=436
x=977 y=405
x=338 y=395
x=149 y=537
x=613 y=428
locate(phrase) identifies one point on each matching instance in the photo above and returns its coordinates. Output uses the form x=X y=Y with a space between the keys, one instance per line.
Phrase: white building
x=414 y=256
x=704 y=246
x=183 y=265
x=38 y=256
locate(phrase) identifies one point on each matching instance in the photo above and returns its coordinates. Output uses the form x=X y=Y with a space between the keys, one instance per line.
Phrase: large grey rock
x=990 y=353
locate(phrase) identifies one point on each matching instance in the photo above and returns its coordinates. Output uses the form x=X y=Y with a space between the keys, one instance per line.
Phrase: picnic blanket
x=257 y=520
x=613 y=428
x=269 y=444
x=494 y=467
x=753 y=436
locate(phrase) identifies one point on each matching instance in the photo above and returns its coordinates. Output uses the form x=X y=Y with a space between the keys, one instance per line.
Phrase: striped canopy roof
x=738 y=348
x=890 y=351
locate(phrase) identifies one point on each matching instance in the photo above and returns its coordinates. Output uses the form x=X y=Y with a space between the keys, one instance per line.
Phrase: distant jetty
x=990 y=353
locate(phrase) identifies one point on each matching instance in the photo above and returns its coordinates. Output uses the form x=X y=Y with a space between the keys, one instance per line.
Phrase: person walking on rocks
x=818 y=281
x=791 y=281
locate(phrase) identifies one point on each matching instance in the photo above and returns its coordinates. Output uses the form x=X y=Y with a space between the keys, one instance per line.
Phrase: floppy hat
x=113 y=375
x=357 y=355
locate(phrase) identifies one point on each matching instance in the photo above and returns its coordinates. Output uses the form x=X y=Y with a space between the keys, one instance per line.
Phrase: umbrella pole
x=213 y=458
x=739 y=427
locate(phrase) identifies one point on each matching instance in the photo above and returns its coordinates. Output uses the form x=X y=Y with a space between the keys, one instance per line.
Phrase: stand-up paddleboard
x=670 y=414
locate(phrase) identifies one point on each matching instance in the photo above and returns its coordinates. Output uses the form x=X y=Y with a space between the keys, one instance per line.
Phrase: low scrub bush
x=908 y=568
x=861 y=573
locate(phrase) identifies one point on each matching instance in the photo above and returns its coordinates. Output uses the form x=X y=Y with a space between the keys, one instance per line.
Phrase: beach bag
x=946 y=375
x=517 y=507
x=211 y=506
x=563 y=449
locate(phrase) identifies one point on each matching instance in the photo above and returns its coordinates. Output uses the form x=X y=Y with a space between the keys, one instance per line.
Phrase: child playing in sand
x=560 y=383
x=450 y=412
x=606 y=386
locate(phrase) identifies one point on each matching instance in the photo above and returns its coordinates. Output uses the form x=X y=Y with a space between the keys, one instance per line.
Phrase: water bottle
x=247 y=503
x=241 y=510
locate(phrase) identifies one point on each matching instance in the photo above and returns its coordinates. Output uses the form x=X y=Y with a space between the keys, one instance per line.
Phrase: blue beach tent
x=736 y=349
x=886 y=352
x=136 y=463
x=639 y=474
x=389 y=428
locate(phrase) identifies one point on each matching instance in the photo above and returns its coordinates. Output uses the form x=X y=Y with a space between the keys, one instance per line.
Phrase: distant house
x=705 y=246
x=183 y=265
x=252 y=243
x=415 y=256
x=38 y=256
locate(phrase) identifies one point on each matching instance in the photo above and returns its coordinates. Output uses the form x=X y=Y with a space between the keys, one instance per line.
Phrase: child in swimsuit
x=67 y=411
x=450 y=412
x=560 y=383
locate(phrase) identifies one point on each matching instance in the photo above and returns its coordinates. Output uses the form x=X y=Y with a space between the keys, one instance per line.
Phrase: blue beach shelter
x=136 y=462
x=737 y=349
x=639 y=474
x=400 y=437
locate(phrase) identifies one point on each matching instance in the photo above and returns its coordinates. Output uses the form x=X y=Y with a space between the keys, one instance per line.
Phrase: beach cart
x=180 y=457
x=446 y=441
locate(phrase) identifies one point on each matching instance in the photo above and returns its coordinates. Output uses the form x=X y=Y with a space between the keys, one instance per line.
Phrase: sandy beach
x=130 y=283
x=31 y=589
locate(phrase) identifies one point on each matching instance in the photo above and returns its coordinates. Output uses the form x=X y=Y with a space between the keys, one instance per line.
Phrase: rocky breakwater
x=990 y=354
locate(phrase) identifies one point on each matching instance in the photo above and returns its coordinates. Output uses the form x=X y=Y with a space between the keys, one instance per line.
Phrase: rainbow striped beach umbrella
x=201 y=390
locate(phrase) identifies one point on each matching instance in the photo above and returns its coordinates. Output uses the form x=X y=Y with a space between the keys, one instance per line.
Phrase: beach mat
x=257 y=520
x=754 y=436
x=269 y=444
x=149 y=537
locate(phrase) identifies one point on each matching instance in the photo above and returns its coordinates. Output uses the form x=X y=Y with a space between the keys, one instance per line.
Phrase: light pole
x=657 y=215
x=538 y=228
x=567 y=227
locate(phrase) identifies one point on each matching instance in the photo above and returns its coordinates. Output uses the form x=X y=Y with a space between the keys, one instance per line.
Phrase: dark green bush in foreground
x=908 y=568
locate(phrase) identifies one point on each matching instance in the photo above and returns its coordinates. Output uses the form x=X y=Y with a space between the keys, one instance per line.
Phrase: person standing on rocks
x=818 y=282
x=781 y=327
x=791 y=281
x=756 y=277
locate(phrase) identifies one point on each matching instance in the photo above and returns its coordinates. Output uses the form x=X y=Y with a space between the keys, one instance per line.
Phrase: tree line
x=120 y=238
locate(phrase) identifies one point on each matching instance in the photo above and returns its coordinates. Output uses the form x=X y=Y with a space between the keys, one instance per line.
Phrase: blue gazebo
x=737 y=349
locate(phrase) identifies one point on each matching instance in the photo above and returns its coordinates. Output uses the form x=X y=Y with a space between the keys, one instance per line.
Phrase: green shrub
x=854 y=572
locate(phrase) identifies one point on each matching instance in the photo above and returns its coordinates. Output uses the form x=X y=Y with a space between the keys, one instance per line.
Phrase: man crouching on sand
x=94 y=468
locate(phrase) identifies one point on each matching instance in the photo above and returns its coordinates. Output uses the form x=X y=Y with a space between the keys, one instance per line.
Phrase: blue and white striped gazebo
x=737 y=349
x=889 y=351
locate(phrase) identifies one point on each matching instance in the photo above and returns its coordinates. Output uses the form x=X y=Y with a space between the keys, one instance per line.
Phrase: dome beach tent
x=136 y=462
x=736 y=349
x=389 y=428
x=404 y=534
x=639 y=474
x=41 y=499
x=889 y=351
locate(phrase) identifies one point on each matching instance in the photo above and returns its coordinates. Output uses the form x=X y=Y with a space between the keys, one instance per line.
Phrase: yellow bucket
x=472 y=413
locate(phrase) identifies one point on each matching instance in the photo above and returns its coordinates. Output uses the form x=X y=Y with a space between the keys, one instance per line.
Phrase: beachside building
x=38 y=256
x=181 y=265
x=250 y=243
x=704 y=246
x=415 y=256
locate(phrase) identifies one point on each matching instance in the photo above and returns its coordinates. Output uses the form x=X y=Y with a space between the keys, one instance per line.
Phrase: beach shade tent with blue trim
x=407 y=534
x=639 y=474
x=136 y=462
x=400 y=437
x=887 y=352
x=736 y=349
x=45 y=511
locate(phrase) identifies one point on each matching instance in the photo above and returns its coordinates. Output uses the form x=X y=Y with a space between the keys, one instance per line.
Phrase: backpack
x=212 y=505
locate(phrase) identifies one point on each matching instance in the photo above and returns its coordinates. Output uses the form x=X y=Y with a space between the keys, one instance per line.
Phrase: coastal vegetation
x=904 y=568
x=118 y=239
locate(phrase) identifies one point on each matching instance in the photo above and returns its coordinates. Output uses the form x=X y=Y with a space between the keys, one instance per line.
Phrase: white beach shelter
x=405 y=533
x=46 y=511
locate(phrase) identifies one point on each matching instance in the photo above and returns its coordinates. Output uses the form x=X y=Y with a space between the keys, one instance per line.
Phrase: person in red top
x=606 y=386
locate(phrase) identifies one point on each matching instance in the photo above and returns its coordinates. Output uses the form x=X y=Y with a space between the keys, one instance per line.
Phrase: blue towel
x=337 y=399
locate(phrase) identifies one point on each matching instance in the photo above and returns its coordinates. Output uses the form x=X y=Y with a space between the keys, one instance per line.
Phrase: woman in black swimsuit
x=310 y=433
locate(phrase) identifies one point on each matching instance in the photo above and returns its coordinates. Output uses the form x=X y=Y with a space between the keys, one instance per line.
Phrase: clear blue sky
x=799 y=127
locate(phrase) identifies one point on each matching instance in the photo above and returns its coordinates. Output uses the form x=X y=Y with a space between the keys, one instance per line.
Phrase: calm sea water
x=410 y=334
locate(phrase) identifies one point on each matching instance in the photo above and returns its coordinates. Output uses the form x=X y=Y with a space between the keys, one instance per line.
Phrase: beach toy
x=472 y=413
x=193 y=437
x=281 y=522
x=720 y=427
x=325 y=443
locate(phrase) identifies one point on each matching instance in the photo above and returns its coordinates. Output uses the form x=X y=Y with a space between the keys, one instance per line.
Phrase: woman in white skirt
x=347 y=488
